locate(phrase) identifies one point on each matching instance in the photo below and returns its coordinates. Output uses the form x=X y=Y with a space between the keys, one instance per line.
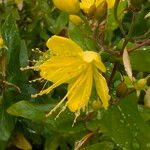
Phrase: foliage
x=121 y=36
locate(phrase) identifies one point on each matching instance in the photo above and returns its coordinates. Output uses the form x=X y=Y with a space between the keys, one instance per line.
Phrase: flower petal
x=59 y=66
x=102 y=88
x=99 y=64
x=63 y=76
x=63 y=46
x=79 y=97
x=58 y=72
x=70 y=6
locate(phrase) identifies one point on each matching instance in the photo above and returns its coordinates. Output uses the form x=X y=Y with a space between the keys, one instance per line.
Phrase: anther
x=33 y=61
x=63 y=109
x=27 y=68
x=34 y=95
x=37 y=50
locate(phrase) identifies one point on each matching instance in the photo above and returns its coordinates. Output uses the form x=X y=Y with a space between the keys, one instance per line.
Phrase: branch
x=112 y=52
x=147 y=42
x=113 y=73
x=11 y=84
x=116 y=17
x=128 y=36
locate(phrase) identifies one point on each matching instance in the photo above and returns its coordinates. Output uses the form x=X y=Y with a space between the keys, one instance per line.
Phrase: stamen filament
x=57 y=106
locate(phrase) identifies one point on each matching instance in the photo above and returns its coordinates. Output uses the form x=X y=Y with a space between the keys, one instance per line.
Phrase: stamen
x=46 y=91
x=33 y=61
x=35 y=80
x=37 y=50
x=57 y=106
x=77 y=114
x=28 y=68
x=63 y=109
x=44 y=85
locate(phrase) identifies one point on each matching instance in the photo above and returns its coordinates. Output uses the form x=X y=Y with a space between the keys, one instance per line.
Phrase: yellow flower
x=75 y=19
x=70 y=6
x=79 y=69
x=89 y=6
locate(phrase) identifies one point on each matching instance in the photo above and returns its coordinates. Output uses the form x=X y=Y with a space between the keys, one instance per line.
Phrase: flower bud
x=75 y=19
x=101 y=11
x=96 y=105
x=69 y=6
x=140 y=84
x=88 y=7
x=121 y=90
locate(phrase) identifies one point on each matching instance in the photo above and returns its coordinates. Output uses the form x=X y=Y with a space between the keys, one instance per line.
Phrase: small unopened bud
x=75 y=19
x=140 y=84
x=88 y=7
x=69 y=6
x=96 y=105
x=121 y=90
x=101 y=11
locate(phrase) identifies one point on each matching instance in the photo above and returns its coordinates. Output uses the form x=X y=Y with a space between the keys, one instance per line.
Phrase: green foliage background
x=23 y=125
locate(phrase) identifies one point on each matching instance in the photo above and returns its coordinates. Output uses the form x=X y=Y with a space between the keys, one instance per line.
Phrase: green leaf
x=76 y=35
x=111 y=24
x=100 y=146
x=64 y=123
x=60 y=23
x=141 y=24
x=26 y=110
x=23 y=57
x=6 y=125
x=12 y=39
x=140 y=60
x=53 y=142
x=125 y=125
x=2 y=145
x=80 y=35
x=145 y=112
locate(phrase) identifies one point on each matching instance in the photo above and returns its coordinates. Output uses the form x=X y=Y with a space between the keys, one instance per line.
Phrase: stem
x=116 y=17
x=113 y=73
x=127 y=38
x=101 y=46
x=140 y=45
x=114 y=53
x=132 y=25
x=143 y=36
x=11 y=84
